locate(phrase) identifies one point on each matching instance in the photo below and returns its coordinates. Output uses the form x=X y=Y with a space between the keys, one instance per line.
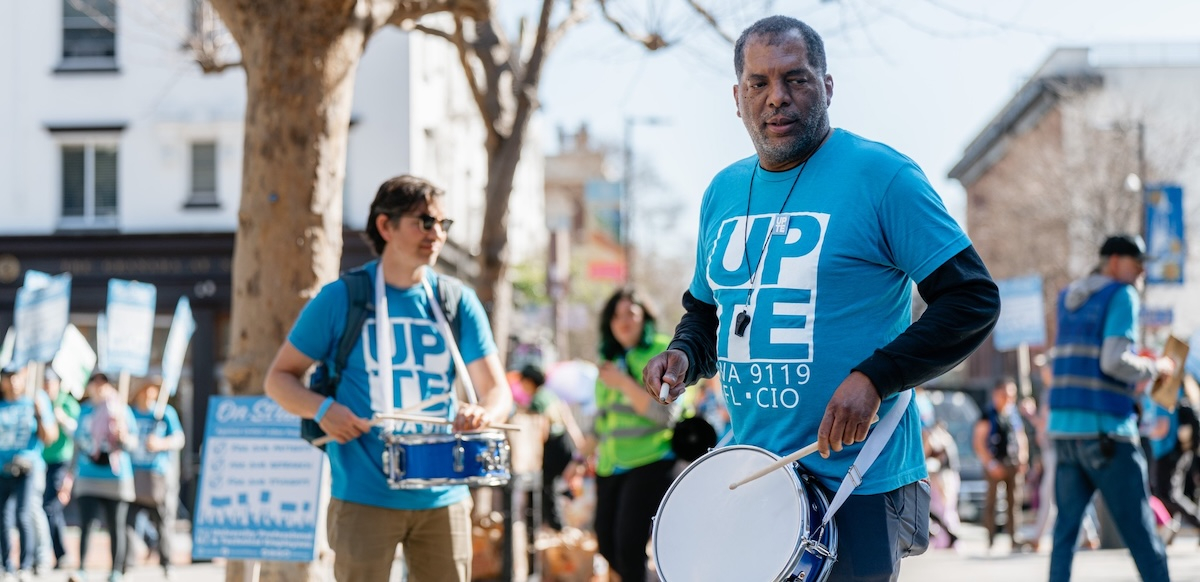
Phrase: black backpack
x=360 y=303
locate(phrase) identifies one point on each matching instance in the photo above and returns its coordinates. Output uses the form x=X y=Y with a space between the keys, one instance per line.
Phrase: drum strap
x=444 y=327
x=869 y=452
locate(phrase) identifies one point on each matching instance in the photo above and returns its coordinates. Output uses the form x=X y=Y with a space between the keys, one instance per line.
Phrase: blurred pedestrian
x=942 y=462
x=1000 y=444
x=561 y=441
x=1173 y=448
x=634 y=461
x=1093 y=419
x=58 y=460
x=709 y=403
x=102 y=482
x=156 y=471
x=26 y=425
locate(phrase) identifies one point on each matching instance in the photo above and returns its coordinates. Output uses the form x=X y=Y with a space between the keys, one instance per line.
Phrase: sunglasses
x=427 y=222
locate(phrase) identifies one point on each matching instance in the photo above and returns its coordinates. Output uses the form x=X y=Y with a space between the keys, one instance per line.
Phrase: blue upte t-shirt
x=422 y=369
x=159 y=461
x=831 y=262
x=18 y=430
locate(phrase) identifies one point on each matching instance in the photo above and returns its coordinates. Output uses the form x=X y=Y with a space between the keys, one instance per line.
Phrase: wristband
x=323 y=409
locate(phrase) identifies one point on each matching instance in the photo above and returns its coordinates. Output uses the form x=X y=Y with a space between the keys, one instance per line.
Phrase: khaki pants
x=436 y=542
x=1012 y=476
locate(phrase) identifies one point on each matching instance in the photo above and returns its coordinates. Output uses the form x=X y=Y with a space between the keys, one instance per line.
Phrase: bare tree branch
x=434 y=32
x=710 y=19
x=576 y=15
x=479 y=94
x=405 y=11
x=652 y=41
x=88 y=9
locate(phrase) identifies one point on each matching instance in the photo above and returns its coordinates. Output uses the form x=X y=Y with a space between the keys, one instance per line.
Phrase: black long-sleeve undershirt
x=964 y=305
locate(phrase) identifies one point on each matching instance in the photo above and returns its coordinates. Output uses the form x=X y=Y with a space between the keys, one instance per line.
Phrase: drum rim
x=793 y=561
x=489 y=481
x=424 y=438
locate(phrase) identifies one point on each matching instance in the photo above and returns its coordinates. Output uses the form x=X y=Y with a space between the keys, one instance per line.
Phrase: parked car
x=959 y=410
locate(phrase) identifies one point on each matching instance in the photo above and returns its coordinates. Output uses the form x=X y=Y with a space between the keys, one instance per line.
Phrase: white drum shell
x=706 y=532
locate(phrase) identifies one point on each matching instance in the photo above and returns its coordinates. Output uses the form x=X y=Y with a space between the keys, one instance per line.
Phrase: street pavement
x=971 y=561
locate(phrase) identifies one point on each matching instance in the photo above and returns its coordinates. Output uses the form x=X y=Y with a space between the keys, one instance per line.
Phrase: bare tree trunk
x=300 y=85
x=494 y=289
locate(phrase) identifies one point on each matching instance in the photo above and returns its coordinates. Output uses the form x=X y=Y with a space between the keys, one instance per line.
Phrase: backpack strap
x=358 y=295
x=449 y=294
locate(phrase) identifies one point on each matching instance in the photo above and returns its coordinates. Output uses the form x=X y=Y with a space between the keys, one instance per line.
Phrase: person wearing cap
x=1093 y=420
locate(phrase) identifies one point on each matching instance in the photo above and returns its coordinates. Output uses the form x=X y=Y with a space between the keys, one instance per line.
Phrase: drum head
x=704 y=531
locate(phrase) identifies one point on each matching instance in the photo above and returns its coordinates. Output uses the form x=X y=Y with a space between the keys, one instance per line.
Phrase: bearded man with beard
x=801 y=297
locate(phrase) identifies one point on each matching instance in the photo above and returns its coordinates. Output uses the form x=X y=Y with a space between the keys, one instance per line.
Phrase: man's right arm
x=285 y=386
x=696 y=337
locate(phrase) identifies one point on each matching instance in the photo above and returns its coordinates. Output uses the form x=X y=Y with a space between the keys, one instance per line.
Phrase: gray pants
x=876 y=531
x=157 y=496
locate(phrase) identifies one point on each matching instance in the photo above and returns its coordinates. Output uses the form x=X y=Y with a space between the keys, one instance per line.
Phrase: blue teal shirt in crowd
x=18 y=428
x=421 y=369
x=823 y=258
x=100 y=480
x=159 y=461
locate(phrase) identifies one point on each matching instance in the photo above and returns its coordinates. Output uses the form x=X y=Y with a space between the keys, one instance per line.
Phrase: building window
x=89 y=185
x=89 y=35
x=204 y=176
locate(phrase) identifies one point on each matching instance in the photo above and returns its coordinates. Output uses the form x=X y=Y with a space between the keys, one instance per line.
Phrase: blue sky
x=924 y=76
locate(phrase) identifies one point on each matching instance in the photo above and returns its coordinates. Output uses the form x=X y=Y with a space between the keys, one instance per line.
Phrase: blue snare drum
x=423 y=460
x=763 y=530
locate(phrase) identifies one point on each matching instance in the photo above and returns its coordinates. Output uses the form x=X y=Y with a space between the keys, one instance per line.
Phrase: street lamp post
x=627 y=189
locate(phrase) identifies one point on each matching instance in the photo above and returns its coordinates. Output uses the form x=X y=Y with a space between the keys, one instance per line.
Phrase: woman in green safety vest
x=634 y=463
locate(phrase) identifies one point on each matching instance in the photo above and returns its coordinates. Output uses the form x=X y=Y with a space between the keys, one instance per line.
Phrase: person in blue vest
x=26 y=426
x=102 y=483
x=156 y=471
x=801 y=297
x=407 y=227
x=1093 y=421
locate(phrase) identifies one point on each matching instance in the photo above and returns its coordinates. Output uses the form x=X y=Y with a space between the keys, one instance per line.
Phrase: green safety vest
x=628 y=440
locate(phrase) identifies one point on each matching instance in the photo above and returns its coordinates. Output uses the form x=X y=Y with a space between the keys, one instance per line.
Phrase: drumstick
x=420 y=418
x=788 y=460
x=377 y=421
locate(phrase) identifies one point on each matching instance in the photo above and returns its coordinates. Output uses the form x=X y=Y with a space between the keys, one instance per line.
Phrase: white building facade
x=120 y=158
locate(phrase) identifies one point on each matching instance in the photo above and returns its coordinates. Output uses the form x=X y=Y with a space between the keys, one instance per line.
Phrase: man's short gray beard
x=796 y=150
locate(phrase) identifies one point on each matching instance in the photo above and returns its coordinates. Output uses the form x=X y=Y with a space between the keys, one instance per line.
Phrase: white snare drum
x=422 y=460
x=761 y=531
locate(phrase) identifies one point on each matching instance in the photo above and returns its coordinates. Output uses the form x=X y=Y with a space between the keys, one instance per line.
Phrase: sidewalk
x=971 y=561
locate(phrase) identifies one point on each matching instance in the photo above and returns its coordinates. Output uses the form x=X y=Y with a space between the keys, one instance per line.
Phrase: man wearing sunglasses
x=368 y=519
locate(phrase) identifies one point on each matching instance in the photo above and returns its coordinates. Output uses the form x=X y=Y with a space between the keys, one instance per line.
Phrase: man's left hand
x=471 y=417
x=848 y=415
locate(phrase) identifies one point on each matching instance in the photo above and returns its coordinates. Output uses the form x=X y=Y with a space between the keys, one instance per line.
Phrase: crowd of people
x=797 y=330
x=103 y=457
x=1100 y=428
